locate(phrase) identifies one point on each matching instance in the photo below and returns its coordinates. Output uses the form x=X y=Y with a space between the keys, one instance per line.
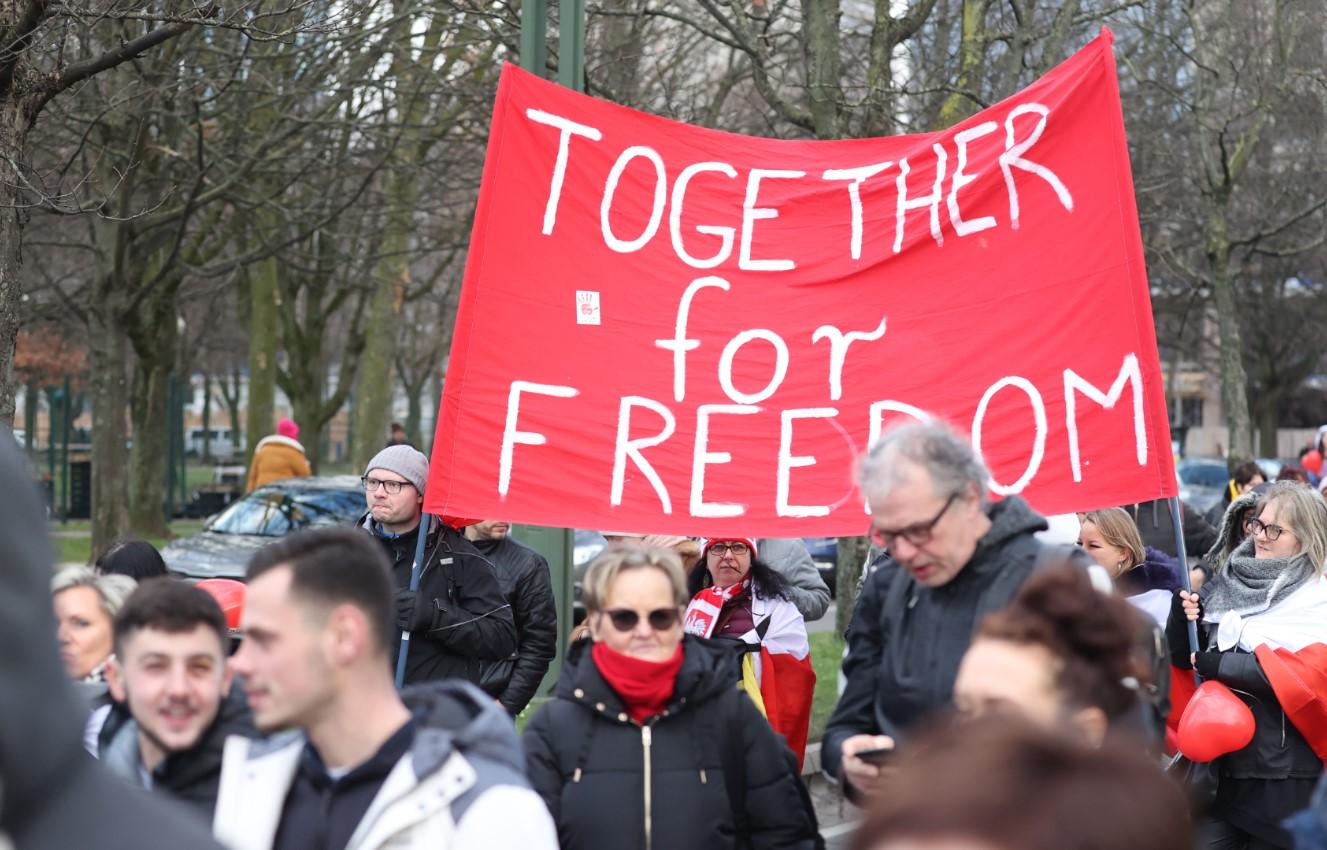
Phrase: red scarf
x=645 y=686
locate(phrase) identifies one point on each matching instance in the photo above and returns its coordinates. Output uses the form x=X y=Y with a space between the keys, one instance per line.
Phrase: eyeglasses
x=737 y=549
x=660 y=619
x=917 y=535
x=392 y=487
x=1254 y=526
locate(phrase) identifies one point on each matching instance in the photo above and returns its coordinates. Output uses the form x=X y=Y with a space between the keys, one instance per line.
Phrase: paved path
x=838 y=818
x=825 y=623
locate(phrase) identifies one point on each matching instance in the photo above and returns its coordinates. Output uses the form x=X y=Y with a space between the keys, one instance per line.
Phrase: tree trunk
x=971 y=51
x=265 y=301
x=1234 y=381
x=415 y=412
x=31 y=401
x=151 y=416
x=154 y=334
x=821 y=47
x=207 y=418
x=848 y=575
x=1268 y=419
x=13 y=139
x=108 y=352
x=230 y=393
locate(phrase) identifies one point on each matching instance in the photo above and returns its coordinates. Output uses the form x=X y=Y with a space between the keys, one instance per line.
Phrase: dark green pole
x=64 y=469
x=52 y=394
x=186 y=393
x=555 y=544
x=534 y=36
x=168 y=504
x=571 y=44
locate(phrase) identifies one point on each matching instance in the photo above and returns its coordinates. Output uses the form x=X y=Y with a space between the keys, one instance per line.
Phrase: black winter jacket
x=523 y=576
x=1157 y=530
x=905 y=640
x=192 y=776
x=612 y=783
x=1278 y=750
x=472 y=622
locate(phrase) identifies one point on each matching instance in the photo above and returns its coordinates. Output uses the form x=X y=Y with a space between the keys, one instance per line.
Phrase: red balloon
x=1215 y=722
x=229 y=594
x=1313 y=462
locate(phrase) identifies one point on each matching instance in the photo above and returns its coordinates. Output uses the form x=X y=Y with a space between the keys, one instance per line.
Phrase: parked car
x=825 y=552
x=223 y=548
x=1202 y=481
x=587 y=545
x=1271 y=467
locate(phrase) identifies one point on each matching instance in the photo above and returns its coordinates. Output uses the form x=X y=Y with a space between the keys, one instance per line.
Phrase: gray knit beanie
x=407 y=462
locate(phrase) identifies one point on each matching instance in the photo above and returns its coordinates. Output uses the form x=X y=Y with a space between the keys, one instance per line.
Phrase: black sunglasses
x=660 y=619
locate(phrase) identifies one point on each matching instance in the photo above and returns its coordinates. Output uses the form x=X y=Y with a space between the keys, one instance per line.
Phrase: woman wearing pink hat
x=277 y=457
x=737 y=596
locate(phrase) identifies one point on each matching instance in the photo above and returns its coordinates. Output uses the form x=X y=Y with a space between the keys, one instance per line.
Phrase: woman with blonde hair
x=1147 y=577
x=1262 y=632
x=85 y=607
x=647 y=742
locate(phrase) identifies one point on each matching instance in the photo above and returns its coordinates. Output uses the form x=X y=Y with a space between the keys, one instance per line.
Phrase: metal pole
x=1177 y=523
x=534 y=35
x=571 y=44
x=168 y=502
x=64 y=488
x=425 y=523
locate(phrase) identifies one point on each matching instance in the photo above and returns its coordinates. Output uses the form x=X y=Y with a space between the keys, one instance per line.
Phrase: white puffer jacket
x=470 y=791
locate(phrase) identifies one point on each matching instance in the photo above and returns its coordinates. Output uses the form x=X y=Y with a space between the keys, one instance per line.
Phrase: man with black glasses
x=458 y=619
x=953 y=557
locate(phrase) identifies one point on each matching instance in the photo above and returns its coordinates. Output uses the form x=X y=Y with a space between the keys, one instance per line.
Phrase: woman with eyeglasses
x=647 y=743
x=1262 y=631
x=738 y=597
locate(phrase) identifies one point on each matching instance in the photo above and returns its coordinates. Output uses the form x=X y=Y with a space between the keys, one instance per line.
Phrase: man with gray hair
x=459 y=621
x=951 y=558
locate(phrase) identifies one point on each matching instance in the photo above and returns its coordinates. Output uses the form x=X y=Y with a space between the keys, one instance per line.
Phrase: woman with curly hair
x=1062 y=654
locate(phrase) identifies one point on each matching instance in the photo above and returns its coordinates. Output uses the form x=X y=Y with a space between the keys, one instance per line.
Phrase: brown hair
x=1005 y=782
x=1092 y=635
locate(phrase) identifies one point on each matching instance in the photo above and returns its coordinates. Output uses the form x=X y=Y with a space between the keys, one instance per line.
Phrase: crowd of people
x=999 y=691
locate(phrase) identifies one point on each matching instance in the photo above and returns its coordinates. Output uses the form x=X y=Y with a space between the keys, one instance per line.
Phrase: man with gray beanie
x=458 y=619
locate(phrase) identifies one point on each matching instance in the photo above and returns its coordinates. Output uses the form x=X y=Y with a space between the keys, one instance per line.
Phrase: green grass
x=77 y=547
x=827 y=658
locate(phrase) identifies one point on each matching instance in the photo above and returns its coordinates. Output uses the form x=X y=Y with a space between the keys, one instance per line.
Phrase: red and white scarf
x=703 y=611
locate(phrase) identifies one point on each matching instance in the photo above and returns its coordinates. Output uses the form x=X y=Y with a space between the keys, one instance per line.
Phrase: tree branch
x=81 y=71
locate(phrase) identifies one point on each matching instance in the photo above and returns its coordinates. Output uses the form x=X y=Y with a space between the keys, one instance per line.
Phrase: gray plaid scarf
x=1249 y=585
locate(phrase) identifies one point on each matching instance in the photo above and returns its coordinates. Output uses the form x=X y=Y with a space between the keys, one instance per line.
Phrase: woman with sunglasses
x=647 y=743
x=1262 y=631
x=735 y=595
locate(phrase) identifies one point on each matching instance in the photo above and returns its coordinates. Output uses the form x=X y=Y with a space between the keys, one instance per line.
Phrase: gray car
x=223 y=548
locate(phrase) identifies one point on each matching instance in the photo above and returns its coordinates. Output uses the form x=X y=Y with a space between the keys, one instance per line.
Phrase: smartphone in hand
x=877 y=757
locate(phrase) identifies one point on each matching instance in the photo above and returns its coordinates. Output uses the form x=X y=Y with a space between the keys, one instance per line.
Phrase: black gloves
x=414 y=612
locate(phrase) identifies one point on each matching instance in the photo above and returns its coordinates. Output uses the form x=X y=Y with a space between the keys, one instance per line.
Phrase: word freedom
x=1023 y=125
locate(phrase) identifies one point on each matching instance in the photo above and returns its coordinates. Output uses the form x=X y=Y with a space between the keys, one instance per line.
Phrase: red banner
x=669 y=329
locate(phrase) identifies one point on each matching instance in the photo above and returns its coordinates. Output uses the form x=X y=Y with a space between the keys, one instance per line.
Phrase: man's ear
x=347 y=635
x=115 y=679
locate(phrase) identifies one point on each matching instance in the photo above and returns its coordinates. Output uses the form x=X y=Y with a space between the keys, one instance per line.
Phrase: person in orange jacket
x=278 y=456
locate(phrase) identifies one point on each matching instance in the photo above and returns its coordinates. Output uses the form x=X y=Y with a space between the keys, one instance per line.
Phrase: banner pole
x=424 y=525
x=1186 y=581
